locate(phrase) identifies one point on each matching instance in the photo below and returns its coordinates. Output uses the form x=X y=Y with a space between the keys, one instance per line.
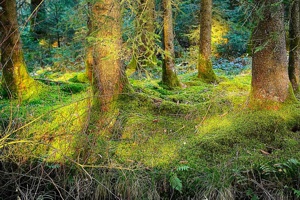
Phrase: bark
x=16 y=80
x=294 y=53
x=205 y=70
x=89 y=49
x=169 y=77
x=146 y=54
x=270 y=81
x=38 y=17
x=104 y=58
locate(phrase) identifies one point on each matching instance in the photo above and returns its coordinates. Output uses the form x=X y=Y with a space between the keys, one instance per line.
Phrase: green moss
x=205 y=127
x=170 y=80
x=267 y=104
x=167 y=107
x=79 y=78
x=49 y=122
x=205 y=71
x=131 y=67
x=73 y=88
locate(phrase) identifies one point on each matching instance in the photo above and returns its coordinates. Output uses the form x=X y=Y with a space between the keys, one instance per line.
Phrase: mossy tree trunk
x=294 y=53
x=145 y=28
x=270 y=80
x=205 y=70
x=169 y=76
x=38 y=19
x=89 y=48
x=104 y=59
x=15 y=80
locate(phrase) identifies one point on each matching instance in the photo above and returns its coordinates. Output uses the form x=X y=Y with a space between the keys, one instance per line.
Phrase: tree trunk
x=205 y=70
x=104 y=58
x=294 y=54
x=270 y=81
x=169 y=77
x=16 y=80
x=146 y=25
x=89 y=49
x=38 y=17
x=145 y=28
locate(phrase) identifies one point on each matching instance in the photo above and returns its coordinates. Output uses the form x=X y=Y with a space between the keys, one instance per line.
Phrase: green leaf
x=183 y=168
x=175 y=182
x=296 y=192
x=259 y=48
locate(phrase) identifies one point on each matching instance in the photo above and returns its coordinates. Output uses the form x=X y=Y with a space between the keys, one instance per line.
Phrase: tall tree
x=104 y=62
x=294 y=53
x=169 y=76
x=270 y=80
x=38 y=19
x=205 y=70
x=16 y=80
x=146 y=27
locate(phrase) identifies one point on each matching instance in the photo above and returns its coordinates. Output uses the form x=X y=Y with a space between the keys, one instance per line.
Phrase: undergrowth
x=198 y=142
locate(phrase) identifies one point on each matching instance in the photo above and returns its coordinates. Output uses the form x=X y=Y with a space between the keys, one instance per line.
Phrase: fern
x=296 y=192
x=183 y=168
x=175 y=182
x=290 y=168
x=294 y=162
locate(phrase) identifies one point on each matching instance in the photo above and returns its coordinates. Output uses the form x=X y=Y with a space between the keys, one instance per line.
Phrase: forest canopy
x=149 y=99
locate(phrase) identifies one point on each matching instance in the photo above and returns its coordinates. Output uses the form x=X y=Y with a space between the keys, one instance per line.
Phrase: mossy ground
x=205 y=129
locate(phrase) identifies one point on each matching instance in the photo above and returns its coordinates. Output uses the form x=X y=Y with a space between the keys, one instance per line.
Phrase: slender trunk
x=15 y=80
x=205 y=70
x=145 y=54
x=145 y=27
x=270 y=81
x=104 y=58
x=89 y=49
x=169 y=77
x=294 y=54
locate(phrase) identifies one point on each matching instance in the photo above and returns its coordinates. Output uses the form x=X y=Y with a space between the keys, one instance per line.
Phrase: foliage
x=143 y=43
x=237 y=44
x=180 y=140
x=271 y=172
x=196 y=142
x=63 y=45
x=186 y=18
x=175 y=182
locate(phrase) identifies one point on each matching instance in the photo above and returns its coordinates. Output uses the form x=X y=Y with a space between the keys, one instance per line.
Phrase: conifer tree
x=169 y=77
x=103 y=60
x=205 y=70
x=38 y=18
x=294 y=53
x=270 y=81
x=146 y=29
x=16 y=80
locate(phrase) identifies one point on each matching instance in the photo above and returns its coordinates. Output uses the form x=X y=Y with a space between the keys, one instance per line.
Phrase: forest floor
x=201 y=141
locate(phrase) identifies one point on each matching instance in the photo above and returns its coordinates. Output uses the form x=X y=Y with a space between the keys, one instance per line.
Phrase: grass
x=199 y=142
x=49 y=123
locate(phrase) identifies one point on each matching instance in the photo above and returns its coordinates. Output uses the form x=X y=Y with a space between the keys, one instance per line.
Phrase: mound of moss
x=198 y=142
